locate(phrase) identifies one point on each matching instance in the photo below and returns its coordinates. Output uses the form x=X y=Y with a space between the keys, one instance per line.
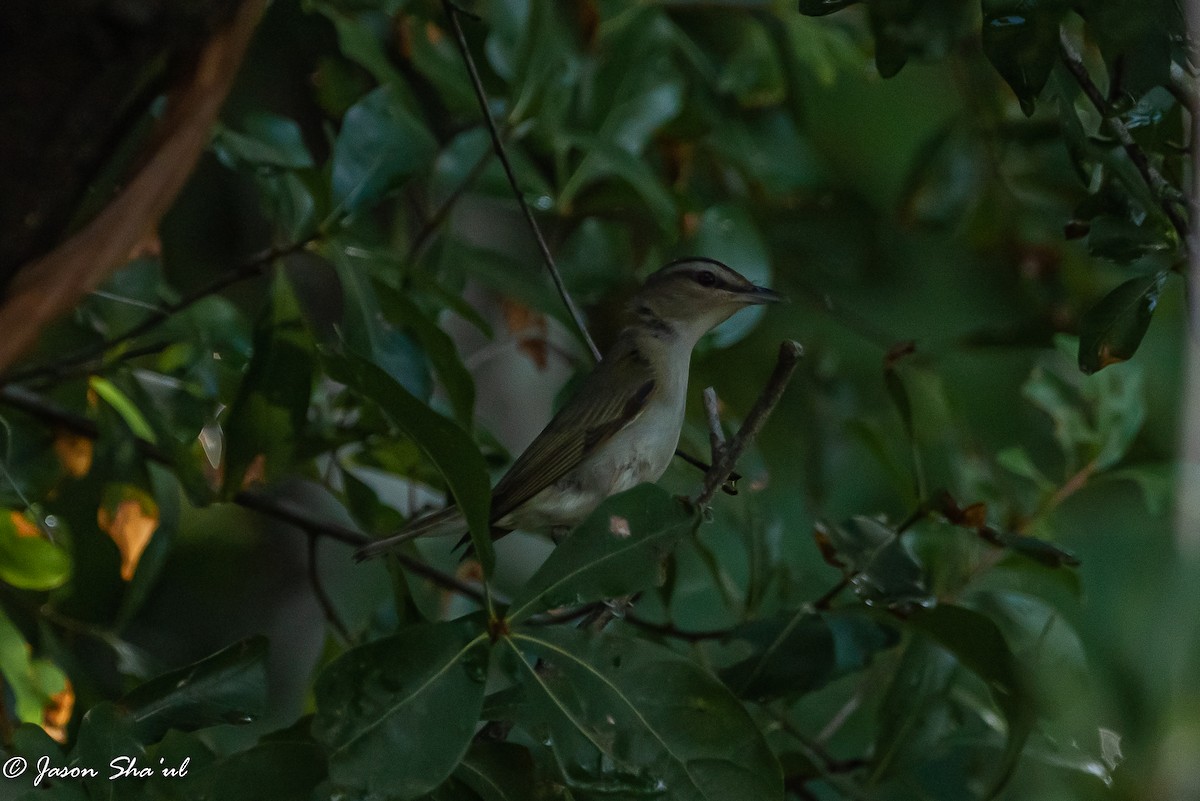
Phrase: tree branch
x=789 y=356
x=1159 y=186
x=452 y=13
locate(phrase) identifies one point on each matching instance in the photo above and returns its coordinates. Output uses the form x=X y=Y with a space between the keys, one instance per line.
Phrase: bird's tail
x=438 y=524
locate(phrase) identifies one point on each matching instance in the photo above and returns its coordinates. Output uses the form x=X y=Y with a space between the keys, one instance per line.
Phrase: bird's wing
x=609 y=399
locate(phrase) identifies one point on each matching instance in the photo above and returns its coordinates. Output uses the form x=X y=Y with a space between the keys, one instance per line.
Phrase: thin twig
x=327 y=607
x=248 y=269
x=452 y=13
x=789 y=356
x=1159 y=186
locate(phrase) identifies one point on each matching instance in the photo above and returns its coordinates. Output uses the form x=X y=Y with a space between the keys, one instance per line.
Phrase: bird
x=622 y=426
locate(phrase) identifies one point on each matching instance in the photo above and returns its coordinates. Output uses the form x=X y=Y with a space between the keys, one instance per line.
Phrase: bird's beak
x=760 y=294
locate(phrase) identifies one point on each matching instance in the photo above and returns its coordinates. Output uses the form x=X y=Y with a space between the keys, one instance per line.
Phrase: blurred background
x=989 y=291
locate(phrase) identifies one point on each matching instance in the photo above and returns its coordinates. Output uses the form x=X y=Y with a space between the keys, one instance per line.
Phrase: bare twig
x=247 y=269
x=327 y=608
x=452 y=13
x=785 y=366
x=1159 y=186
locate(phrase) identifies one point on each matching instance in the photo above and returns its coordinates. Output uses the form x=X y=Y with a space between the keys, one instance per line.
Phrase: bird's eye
x=706 y=278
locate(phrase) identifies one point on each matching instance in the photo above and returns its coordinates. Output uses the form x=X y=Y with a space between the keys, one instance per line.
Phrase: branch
x=452 y=12
x=789 y=356
x=1159 y=186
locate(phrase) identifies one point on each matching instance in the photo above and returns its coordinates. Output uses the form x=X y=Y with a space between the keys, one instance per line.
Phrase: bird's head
x=691 y=296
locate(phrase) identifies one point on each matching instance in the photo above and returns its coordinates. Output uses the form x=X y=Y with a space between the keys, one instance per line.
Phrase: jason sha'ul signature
x=121 y=767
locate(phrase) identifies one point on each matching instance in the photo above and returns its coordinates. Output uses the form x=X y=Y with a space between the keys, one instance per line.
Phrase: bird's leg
x=557 y=533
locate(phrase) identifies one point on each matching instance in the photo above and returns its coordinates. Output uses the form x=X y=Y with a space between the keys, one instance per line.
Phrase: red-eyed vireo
x=622 y=426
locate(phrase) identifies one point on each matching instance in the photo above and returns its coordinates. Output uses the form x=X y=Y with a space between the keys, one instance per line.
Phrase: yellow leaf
x=23 y=526
x=130 y=517
x=74 y=451
x=57 y=713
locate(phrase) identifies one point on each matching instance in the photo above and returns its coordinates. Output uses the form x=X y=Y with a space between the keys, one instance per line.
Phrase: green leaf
x=800 y=653
x=727 y=232
x=268 y=140
x=616 y=551
x=449 y=448
x=913 y=719
x=273 y=770
x=107 y=732
x=634 y=719
x=979 y=645
x=1096 y=418
x=497 y=771
x=270 y=412
x=1019 y=462
x=753 y=72
x=605 y=160
x=379 y=146
x=33 y=681
x=364 y=326
x=398 y=714
x=228 y=687
x=882 y=568
x=28 y=560
x=1122 y=241
x=438 y=346
x=1020 y=38
x=360 y=41
x=126 y=408
x=1112 y=330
